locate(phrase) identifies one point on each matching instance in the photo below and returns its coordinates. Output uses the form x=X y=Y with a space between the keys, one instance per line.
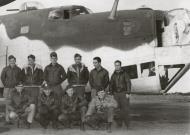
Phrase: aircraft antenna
x=114 y=10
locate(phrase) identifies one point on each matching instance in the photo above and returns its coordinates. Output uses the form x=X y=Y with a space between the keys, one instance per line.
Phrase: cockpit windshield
x=68 y=12
x=79 y=11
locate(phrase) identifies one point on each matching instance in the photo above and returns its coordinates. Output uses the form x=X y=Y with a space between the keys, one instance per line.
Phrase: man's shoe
x=54 y=125
x=82 y=126
x=92 y=125
x=28 y=124
x=127 y=125
x=44 y=126
x=8 y=123
x=68 y=125
x=119 y=124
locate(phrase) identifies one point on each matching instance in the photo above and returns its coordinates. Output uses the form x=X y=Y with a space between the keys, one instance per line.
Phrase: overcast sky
x=106 y=5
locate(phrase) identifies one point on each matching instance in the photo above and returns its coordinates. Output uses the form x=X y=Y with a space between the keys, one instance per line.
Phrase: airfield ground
x=151 y=115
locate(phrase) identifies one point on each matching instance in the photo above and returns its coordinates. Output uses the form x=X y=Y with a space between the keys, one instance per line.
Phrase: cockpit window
x=59 y=14
x=67 y=13
x=55 y=14
x=89 y=10
x=148 y=69
x=79 y=11
x=132 y=71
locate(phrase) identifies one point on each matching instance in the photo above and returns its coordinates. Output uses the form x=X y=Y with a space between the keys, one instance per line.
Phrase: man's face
x=117 y=66
x=96 y=64
x=70 y=92
x=12 y=62
x=53 y=60
x=47 y=92
x=77 y=60
x=101 y=94
x=19 y=88
x=31 y=61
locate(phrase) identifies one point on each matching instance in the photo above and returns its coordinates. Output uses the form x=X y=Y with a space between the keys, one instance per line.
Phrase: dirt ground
x=150 y=115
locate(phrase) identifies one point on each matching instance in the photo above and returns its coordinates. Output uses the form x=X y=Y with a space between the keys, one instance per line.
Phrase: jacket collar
x=104 y=98
x=36 y=66
x=72 y=67
x=12 y=67
x=19 y=93
x=52 y=64
x=51 y=94
x=119 y=72
x=100 y=69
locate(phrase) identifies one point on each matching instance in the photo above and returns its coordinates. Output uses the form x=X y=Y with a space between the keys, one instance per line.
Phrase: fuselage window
x=148 y=69
x=132 y=71
x=66 y=14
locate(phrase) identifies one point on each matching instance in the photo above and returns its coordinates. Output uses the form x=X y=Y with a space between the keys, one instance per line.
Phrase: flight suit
x=54 y=76
x=120 y=85
x=101 y=111
x=99 y=80
x=10 y=77
x=48 y=109
x=72 y=109
x=32 y=79
x=77 y=76
x=21 y=105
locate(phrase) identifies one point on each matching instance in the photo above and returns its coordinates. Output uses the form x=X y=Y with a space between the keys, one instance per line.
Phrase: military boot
x=82 y=126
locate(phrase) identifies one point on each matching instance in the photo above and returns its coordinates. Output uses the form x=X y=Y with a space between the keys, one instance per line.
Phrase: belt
x=118 y=90
x=79 y=85
x=32 y=86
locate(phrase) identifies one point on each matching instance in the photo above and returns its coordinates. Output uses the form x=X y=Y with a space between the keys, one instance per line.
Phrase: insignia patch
x=24 y=29
x=128 y=27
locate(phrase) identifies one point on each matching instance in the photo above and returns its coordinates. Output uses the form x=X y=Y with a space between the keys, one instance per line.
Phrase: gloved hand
x=19 y=111
x=87 y=118
x=73 y=109
x=127 y=96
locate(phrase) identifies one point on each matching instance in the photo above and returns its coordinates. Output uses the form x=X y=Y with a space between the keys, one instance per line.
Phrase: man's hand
x=19 y=111
x=10 y=108
x=87 y=117
x=109 y=92
x=127 y=96
x=28 y=110
x=73 y=109
x=52 y=107
x=44 y=83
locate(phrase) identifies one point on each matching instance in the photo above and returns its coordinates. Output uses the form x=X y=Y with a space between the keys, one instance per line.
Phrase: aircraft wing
x=5 y=2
